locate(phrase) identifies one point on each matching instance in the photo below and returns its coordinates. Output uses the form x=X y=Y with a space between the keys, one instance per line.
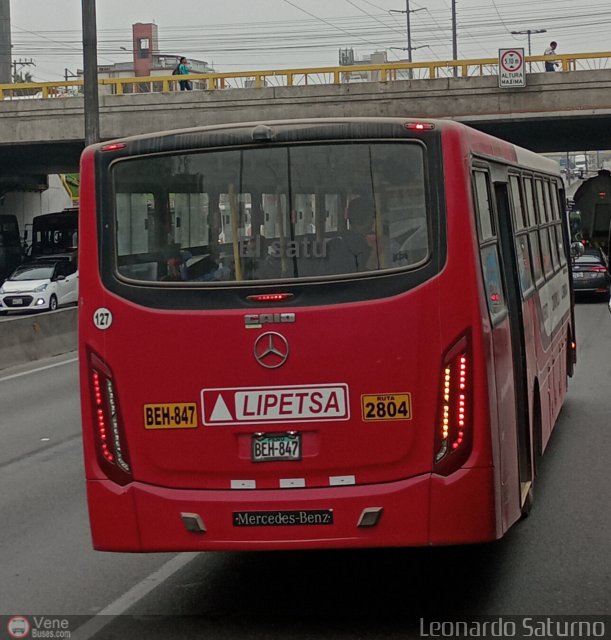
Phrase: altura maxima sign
x=511 y=68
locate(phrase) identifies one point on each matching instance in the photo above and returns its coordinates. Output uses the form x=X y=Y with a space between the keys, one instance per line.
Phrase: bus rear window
x=273 y=213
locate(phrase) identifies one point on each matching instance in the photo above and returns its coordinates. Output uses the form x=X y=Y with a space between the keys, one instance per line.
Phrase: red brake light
x=109 y=438
x=454 y=433
x=419 y=126
x=102 y=427
x=114 y=146
x=599 y=269
x=272 y=297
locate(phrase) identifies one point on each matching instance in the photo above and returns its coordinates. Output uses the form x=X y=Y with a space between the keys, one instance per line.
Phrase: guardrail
x=303 y=77
x=28 y=338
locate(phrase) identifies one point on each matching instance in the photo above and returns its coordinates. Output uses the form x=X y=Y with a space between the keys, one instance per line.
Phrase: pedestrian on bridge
x=183 y=70
x=550 y=51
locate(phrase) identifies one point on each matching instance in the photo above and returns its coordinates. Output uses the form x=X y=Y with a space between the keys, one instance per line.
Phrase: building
x=347 y=59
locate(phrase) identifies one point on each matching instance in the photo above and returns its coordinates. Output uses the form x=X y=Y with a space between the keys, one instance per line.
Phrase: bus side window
x=489 y=252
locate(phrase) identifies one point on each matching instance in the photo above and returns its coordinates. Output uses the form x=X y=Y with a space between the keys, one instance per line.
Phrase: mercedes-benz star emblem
x=271 y=350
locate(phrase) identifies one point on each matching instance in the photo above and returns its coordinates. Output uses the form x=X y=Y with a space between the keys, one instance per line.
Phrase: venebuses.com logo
x=56 y=627
x=18 y=627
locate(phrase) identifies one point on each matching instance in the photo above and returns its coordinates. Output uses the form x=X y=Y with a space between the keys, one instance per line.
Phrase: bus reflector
x=419 y=126
x=112 y=454
x=454 y=431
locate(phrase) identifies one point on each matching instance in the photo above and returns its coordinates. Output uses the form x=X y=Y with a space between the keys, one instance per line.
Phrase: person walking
x=550 y=51
x=183 y=70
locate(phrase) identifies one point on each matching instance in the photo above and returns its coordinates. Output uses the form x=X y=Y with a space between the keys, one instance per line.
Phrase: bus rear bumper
x=415 y=512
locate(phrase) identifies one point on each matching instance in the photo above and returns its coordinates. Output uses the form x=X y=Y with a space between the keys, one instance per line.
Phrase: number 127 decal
x=388 y=406
x=102 y=319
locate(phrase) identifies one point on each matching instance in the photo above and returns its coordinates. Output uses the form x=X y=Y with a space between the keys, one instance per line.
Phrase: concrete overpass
x=554 y=112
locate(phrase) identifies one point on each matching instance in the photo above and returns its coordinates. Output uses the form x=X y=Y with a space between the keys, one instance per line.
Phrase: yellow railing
x=304 y=77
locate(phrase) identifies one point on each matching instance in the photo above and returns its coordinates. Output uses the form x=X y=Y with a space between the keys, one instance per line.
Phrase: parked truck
x=593 y=202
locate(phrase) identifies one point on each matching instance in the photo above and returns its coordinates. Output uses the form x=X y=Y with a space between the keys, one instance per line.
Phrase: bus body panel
x=373 y=451
x=148 y=518
x=495 y=341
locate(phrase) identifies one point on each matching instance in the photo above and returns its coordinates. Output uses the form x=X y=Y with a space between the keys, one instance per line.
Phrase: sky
x=241 y=35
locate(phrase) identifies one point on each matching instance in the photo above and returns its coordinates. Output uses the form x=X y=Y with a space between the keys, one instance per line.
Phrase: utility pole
x=529 y=32
x=5 y=42
x=407 y=13
x=90 y=63
x=17 y=65
x=69 y=75
x=454 y=37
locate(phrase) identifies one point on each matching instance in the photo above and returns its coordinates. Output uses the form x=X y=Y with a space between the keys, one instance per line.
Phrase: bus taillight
x=453 y=437
x=109 y=441
x=419 y=126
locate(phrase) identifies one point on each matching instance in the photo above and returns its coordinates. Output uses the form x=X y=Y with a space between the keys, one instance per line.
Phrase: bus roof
x=480 y=142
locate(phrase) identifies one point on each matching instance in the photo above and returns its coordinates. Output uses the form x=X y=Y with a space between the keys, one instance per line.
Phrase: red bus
x=318 y=333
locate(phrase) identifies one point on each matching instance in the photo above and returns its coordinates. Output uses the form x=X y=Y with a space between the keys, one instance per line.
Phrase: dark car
x=591 y=272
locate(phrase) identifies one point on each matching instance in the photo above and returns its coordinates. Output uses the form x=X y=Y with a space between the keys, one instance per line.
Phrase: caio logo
x=18 y=627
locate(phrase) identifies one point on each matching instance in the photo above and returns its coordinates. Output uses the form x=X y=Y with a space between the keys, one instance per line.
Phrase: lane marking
x=120 y=606
x=49 y=366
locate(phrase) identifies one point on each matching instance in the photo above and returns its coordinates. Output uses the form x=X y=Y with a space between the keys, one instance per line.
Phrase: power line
x=484 y=25
x=327 y=22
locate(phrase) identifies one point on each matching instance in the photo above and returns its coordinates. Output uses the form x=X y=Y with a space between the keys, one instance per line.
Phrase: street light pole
x=90 y=64
x=529 y=32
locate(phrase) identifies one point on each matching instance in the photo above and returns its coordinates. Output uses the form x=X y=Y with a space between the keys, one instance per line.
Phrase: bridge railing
x=304 y=77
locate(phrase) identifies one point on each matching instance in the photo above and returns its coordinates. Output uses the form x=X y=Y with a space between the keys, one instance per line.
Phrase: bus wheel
x=53 y=303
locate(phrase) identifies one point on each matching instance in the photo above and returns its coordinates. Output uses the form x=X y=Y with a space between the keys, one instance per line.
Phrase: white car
x=40 y=285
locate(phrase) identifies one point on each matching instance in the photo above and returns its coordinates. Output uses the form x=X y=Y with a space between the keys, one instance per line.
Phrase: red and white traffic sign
x=512 y=71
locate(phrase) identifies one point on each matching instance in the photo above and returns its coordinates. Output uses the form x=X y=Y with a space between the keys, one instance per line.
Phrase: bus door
x=493 y=215
x=511 y=276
